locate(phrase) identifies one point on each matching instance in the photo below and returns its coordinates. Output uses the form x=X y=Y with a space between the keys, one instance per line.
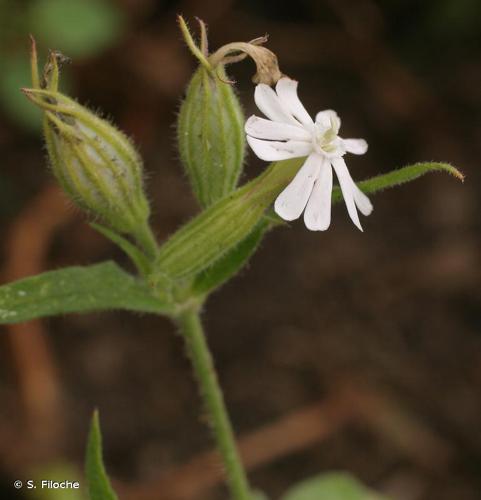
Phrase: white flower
x=291 y=133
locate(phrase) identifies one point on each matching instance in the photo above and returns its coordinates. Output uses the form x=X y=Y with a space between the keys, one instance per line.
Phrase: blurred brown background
x=337 y=351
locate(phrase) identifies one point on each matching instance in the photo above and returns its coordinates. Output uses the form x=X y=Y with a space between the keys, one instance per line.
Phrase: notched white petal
x=275 y=151
x=277 y=131
x=347 y=187
x=287 y=91
x=292 y=201
x=270 y=104
x=317 y=215
x=355 y=146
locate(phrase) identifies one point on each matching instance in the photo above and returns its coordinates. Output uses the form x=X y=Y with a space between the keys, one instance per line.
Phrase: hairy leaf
x=76 y=289
x=400 y=176
x=98 y=483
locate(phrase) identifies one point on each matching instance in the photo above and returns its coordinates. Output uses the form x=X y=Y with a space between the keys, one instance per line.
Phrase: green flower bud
x=211 y=135
x=94 y=162
x=211 y=123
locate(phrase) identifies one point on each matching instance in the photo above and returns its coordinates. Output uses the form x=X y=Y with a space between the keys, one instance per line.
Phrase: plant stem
x=201 y=358
x=145 y=237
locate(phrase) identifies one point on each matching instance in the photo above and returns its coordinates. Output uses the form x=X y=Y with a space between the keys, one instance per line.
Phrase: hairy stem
x=191 y=328
x=145 y=237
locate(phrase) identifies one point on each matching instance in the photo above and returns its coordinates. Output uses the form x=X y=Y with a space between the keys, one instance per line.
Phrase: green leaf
x=331 y=486
x=400 y=176
x=79 y=28
x=231 y=263
x=76 y=289
x=98 y=483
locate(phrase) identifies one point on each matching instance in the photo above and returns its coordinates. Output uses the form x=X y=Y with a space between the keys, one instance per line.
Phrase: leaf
x=76 y=289
x=98 y=483
x=400 y=176
x=79 y=28
x=231 y=263
x=331 y=486
x=136 y=255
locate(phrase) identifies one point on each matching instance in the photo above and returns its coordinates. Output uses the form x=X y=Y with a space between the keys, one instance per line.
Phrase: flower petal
x=275 y=151
x=270 y=104
x=287 y=91
x=317 y=215
x=329 y=119
x=292 y=201
x=355 y=146
x=363 y=203
x=347 y=187
x=267 y=129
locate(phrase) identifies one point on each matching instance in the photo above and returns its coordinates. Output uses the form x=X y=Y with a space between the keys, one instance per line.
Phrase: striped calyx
x=94 y=162
x=210 y=135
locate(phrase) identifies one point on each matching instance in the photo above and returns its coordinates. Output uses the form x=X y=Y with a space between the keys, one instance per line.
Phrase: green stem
x=145 y=237
x=191 y=328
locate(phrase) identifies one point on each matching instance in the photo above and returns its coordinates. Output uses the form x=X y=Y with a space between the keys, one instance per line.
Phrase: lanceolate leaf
x=98 y=483
x=231 y=263
x=400 y=176
x=76 y=289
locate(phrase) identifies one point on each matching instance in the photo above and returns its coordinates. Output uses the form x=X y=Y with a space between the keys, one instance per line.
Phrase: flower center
x=325 y=141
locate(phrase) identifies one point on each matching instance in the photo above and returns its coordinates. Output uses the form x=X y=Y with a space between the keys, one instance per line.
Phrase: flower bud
x=211 y=135
x=94 y=162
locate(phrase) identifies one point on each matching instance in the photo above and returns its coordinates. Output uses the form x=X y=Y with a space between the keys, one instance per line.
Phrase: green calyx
x=94 y=162
x=215 y=231
x=211 y=135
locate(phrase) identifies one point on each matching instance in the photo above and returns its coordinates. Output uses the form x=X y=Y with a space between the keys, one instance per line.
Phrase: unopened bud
x=210 y=127
x=211 y=135
x=94 y=162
